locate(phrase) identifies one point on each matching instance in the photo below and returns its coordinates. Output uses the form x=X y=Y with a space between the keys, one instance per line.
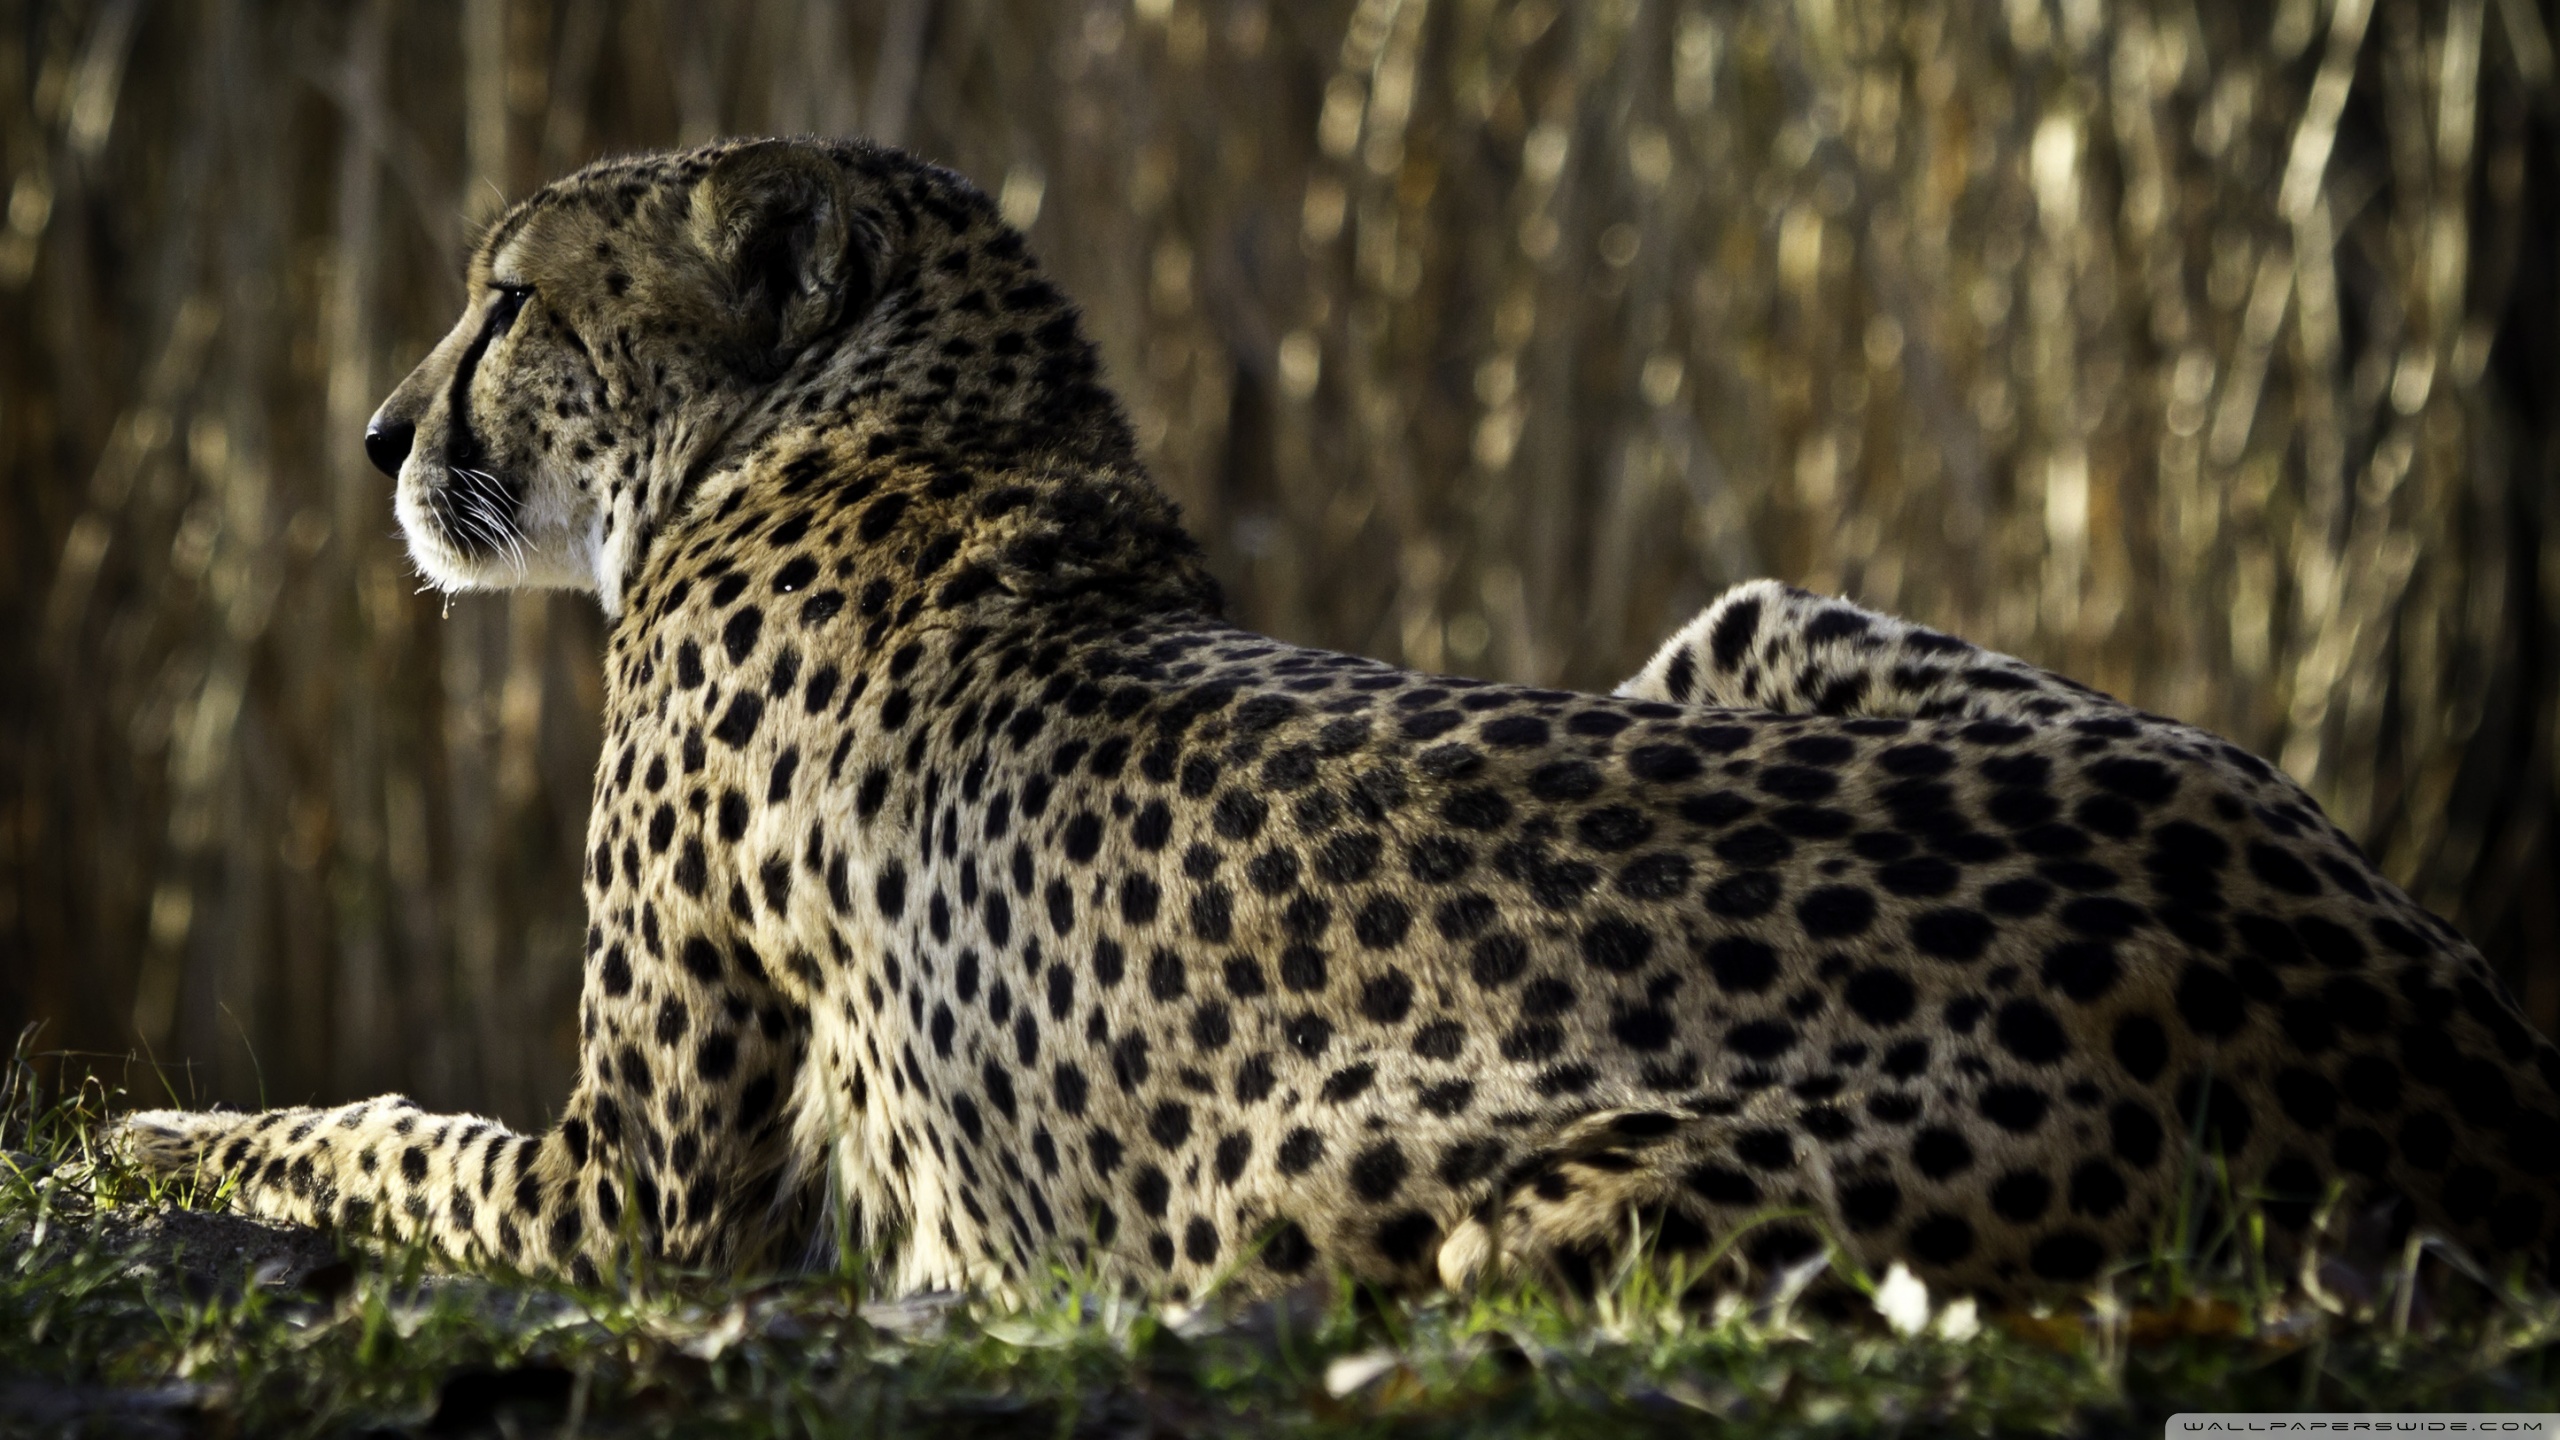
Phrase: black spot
x=738 y=724
x=2097 y=1189
x=1765 y=1148
x=1514 y=731
x=1951 y=933
x=2029 y=1031
x=1835 y=911
x=1349 y=857
x=1068 y=1085
x=2066 y=1255
x=739 y=636
x=1619 y=947
x=1761 y=1039
x=1723 y=1185
x=1463 y=915
x=1680 y=674
x=2372 y=1083
x=1939 y=1152
x=1532 y=1040
x=1430 y=724
x=1439 y=1040
x=1921 y=876
x=1880 y=997
x=1482 y=808
x=2085 y=970
x=1745 y=896
x=1812 y=822
x=2015 y=1108
x=1347 y=1083
x=2022 y=1196
x=2209 y=1000
x=1404 y=1238
x=1288 y=1251
x=1302 y=967
x=1797 y=782
x=2282 y=869
x=880 y=516
x=2141 y=1046
x=1381 y=922
x=1756 y=845
x=1662 y=875
x=1613 y=828
x=2213 y=1108
x=1732 y=634
x=2400 y=938
x=1499 y=958
x=2308 y=1098
x=1870 y=1205
x=2146 y=781
x=2109 y=815
x=1646 y=1030
x=1663 y=764
x=1565 y=780
x=2020 y=897
x=1255 y=1079
x=1308 y=1033
x=1741 y=965
x=1716 y=808
x=717 y=1056
x=1916 y=760
x=1942 y=1239
x=2134 y=1133
x=1377 y=1172
x=1238 y=815
x=1164 y=976
x=1151 y=1189
x=2330 y=943
x=2102 y=917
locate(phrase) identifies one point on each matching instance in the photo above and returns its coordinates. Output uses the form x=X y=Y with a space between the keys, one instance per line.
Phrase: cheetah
x=963 y=887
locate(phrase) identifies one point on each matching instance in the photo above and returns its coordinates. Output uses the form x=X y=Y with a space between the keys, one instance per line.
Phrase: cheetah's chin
x=538 y=557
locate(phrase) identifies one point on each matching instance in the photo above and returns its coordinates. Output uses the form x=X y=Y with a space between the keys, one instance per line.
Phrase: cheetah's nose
x=388 y=445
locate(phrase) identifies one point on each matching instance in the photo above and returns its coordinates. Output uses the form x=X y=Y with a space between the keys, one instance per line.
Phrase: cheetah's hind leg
x=1670 y=1188
x=1767 y=646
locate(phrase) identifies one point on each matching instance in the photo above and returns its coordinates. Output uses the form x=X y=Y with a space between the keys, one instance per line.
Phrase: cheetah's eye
x=502 y=316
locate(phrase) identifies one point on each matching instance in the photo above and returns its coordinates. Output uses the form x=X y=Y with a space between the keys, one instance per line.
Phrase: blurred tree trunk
x=2210 y=354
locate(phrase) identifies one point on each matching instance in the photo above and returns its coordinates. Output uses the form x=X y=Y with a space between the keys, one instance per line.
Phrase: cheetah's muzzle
x=952 y=864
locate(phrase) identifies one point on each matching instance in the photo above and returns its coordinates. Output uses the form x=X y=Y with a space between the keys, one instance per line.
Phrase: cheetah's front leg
x=671 y=1147
x=468 y=1187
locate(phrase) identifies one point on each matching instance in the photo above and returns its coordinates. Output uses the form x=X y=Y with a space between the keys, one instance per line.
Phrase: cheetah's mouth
x=476 y=526
x=475 y=513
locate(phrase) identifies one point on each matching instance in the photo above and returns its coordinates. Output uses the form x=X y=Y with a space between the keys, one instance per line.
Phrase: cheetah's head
x=621 y=325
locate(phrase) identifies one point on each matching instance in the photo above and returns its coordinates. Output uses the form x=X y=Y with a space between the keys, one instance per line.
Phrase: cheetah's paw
x=169 y=1144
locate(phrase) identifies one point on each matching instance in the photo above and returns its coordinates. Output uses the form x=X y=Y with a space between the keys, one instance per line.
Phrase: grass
x=117 y=1320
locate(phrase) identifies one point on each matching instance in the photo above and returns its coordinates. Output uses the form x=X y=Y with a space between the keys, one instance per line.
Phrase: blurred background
x=2208 y=352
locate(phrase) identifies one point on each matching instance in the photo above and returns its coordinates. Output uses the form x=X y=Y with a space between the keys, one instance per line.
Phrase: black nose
x=388 y=445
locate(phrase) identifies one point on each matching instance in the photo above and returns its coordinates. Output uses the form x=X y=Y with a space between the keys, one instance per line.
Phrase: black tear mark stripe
x=470 y=452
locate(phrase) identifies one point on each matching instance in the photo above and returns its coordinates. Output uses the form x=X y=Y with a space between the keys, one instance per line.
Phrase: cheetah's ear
x=775 y=219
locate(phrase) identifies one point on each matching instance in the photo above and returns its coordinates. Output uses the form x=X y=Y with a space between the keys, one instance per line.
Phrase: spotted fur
x=956 y=874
